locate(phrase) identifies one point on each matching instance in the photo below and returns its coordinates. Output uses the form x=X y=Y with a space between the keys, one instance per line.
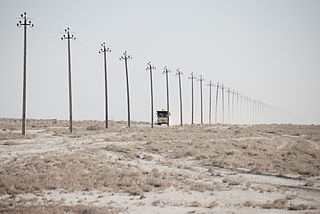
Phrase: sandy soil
x=189 y=169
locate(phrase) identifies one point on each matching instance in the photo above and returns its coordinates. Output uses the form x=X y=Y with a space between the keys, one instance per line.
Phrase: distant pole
x=228 y=92
x=216 y=112
x=237 y=108
x=201 y=103
x=245 y=109
x=69 y=37
x=222 y=89
x=150 y=67
x=240 y=107
x=104 y=50
x=125 y=57
x=210 y=85
x=167 y=71
x=254 y=111
x=25 y=23
x=192 y=77
x=232 y=113
x=249 y=105
x=179 y=73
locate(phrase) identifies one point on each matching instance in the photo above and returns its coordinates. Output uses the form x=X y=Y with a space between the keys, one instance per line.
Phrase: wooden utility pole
x=167 y=71
x=237 y=107
x=216 y=112
x=179 y=73
x=232 y=113
x=200 y=79
x=210 y=85
x=150 y=67
x=125 y=57
x=25 y=23
x=104 y=50
x=222 y=90
x=192 y=77
x=228 y=94
x=69 y=37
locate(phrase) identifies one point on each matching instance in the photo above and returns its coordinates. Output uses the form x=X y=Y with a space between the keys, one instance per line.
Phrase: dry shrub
x=248 y=204
x=277 y=204
x=231 y=182
x=309 y=183
x=93 y=128
x=10 y=143
x=194 y=204
x=211 y=170
x=156 y=203
x=83 y=170
x=55 y=209
x=300 y=207
x=213 y=204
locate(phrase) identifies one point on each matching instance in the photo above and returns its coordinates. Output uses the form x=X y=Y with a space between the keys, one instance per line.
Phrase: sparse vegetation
x=140 y=163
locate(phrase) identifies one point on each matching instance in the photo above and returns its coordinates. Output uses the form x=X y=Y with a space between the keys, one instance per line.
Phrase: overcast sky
x=267 y=49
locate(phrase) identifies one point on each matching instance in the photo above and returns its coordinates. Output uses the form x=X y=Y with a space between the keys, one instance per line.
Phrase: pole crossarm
x=68 y=35
x=104 y=49
x=25 y=20
x=125 y=56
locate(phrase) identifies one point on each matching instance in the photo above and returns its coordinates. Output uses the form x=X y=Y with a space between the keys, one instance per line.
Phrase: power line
x=25 y=23
x=69 y=37
x=104 y=50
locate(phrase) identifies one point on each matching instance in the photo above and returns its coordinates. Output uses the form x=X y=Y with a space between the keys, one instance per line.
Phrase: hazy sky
x=267 y=49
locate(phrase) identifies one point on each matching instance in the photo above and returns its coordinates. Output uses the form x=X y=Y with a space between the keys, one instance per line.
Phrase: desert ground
x=217 y=168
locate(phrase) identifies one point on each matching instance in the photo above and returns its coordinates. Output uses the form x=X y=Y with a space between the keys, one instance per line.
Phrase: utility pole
x=125 y=57
x=179 y=73
x=222 y=89
x=232 y=113
x=167 y=71
x=240 y=107
x=210 y=85
x=69 y=37
x=192 y=77
x=201 y=104
x=150 y=67
x=104 y=50
x=245 y=109
x=25 y=23
x=216 y=112
x=228 y=92
x=237 y=108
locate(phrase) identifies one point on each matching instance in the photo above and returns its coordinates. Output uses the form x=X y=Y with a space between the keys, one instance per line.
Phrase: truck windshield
x=162 y=114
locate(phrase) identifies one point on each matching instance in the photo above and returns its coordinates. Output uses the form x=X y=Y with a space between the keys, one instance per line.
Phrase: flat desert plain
x=217 y=168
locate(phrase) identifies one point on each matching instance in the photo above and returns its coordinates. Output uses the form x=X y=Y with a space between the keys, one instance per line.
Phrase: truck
x=162 y=117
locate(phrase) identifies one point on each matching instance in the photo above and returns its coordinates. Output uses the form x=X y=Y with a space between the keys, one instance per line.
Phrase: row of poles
x=243 y=103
